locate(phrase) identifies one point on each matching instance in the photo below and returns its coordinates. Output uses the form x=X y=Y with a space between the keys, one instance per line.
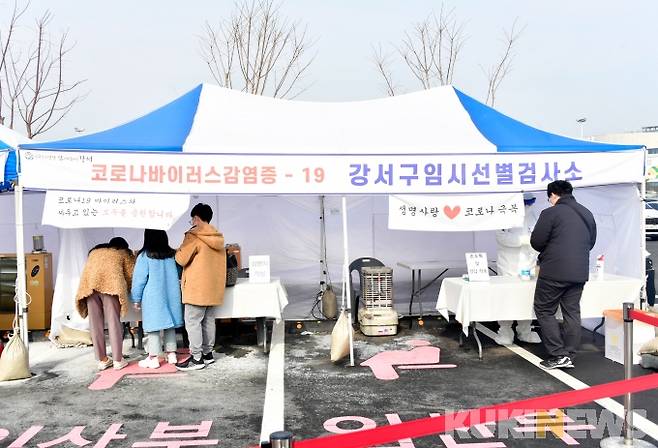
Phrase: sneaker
x=191 y=364
x=557 y=362
x=172 y=358
x=150 y=362
x=208 y=358
x=118 y=365
x=102 y=365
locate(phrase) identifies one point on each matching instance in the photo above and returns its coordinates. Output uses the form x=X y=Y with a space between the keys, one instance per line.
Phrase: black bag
x=231 y=269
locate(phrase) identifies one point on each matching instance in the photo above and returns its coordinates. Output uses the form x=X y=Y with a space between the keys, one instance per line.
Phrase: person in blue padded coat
x=156 y=291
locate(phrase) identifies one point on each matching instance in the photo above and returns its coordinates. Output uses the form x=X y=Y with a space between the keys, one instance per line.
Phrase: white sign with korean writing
x=477 y=267
x=3 y=162
x=323 y=173
x=259 y=268
x=80 y=209
x=456 y=213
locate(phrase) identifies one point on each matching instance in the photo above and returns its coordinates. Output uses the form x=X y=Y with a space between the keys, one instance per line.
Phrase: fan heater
x=378 y=318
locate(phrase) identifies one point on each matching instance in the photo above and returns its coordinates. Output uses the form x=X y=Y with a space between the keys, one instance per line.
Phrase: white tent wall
x=288 y=229
x=73 y=251
x=32 y=211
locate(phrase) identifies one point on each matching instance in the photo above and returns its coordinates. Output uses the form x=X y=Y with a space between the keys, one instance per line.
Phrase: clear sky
x=576 y=58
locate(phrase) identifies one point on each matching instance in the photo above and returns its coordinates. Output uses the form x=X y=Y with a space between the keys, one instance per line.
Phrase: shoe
x=150 y=362
x=102 y=365
x=172 y=358
x=531 y=338
x=557 y=362
x=118 y=365
x=191 y=364
x=208 y=358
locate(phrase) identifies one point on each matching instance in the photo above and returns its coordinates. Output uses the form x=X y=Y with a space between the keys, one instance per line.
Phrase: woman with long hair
x=103 y=296
x=156 y=291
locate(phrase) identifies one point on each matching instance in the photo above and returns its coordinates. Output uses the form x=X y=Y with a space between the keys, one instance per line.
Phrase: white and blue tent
x=435 y=131
x=265 y=161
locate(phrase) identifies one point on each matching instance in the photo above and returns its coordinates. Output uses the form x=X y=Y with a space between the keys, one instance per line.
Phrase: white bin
x=614 y=336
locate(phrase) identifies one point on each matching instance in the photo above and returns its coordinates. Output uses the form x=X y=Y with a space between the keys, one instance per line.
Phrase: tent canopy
x=9 y=141
x=217 y=120
x=216 y=140
x=8 y=163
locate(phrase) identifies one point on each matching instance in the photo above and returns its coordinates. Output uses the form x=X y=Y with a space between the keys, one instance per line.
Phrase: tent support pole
x=20 y=263
x=346 y=282
x=643 y=239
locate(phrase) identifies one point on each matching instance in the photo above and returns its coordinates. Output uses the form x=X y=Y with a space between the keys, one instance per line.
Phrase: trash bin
x=651 y=286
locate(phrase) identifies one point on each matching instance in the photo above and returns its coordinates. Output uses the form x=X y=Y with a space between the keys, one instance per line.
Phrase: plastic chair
x=357 y=265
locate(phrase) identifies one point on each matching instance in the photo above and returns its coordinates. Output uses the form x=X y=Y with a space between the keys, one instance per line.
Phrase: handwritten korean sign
x=454 y=213
x=79 y=209
x=322 y=173
x=477 y=266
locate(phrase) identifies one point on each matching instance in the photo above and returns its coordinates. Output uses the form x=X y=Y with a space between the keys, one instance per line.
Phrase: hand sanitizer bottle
x=600 y=263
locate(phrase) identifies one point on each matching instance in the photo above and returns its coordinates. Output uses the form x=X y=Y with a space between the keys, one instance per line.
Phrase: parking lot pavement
x=324 y=398
x=228 y=393
x=417 y=373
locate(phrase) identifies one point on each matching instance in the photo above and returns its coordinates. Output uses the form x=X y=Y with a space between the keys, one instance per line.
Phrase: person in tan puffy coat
x=203 y=258
x=103 y=295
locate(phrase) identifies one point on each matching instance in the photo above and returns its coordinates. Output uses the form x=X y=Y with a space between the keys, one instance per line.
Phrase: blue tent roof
x=510 y=135
x=10 y=166
x=166 y=129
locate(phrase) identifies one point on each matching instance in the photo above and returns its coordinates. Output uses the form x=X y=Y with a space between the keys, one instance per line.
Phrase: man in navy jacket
x=564 y=235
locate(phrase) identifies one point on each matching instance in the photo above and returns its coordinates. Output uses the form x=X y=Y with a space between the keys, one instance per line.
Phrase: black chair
x=358 y=265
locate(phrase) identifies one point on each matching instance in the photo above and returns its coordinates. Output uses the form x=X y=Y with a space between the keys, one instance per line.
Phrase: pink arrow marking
x=108 y=378
x=421 y=356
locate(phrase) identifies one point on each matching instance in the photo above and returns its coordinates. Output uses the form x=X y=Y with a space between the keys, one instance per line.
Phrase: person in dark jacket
x=564 y=235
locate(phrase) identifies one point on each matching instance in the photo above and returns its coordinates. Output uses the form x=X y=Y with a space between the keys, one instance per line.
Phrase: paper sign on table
x=259 y=269
x=477 y=266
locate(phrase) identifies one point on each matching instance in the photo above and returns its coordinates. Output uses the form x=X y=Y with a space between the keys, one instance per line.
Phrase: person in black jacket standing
x=564 y=235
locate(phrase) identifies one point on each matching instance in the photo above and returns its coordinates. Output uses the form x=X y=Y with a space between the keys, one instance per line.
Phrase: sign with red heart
x=454 y=213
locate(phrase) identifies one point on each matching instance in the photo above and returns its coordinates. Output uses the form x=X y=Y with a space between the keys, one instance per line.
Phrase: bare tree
x=499 y=71
x=383 y=63
x=5 y=43
x=33 y=88
x=431 y=49
x=257 y=50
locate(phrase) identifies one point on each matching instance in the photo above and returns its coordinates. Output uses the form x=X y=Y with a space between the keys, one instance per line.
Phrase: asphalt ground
x=320 y=397
x=324 y=398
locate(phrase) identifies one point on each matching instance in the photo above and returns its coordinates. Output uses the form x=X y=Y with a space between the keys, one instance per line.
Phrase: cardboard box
x=614 y=336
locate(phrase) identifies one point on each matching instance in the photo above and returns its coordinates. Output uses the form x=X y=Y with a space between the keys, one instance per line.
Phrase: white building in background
x=648 y=137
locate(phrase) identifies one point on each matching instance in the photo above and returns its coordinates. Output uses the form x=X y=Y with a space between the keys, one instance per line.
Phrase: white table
x=251 y=300
x=245 y=300
x=254 y=300
x=417 y=267
x=510 y=298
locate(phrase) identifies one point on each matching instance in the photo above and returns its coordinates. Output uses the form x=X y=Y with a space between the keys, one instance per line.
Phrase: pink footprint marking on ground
x=108 y=378
x=422 y=356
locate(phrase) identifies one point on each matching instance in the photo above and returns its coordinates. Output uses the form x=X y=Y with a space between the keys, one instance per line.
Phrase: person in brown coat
x=103 y=295
x=203 y=258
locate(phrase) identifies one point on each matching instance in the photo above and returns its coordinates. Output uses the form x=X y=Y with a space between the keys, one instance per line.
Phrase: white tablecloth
x=244 y=300
x=253 y=300
x=510 y=298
